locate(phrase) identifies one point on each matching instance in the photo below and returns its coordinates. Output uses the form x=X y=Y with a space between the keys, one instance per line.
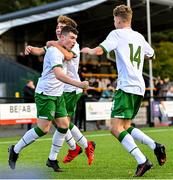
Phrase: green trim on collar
x=74 y=54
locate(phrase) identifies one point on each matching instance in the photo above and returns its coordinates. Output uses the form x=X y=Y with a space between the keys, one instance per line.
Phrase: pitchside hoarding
x=18 y=113
x=102 y=111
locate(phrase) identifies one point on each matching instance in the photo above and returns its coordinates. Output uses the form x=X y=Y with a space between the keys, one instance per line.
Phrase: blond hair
x=124 y=12
x=66 y=20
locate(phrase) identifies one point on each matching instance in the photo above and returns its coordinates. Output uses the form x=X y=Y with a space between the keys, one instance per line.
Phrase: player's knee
x=114 y=132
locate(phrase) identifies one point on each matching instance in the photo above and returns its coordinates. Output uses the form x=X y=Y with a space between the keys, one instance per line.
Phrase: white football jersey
x=47 y=83
x=71 y=69
x=130 y=48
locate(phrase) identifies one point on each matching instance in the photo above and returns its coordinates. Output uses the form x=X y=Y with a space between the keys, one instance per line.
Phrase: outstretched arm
x=67 y=54
x=95 y=51
x=34 y=50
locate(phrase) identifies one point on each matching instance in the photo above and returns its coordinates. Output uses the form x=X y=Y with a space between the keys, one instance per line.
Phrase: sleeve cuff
x=58 y=65
x=105 y=51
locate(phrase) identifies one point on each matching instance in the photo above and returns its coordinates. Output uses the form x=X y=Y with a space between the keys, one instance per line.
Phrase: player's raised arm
x=67 y=54
x=34 y=50
x=95 y=51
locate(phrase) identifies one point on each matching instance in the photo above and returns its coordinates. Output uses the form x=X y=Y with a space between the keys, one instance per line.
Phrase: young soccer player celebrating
x=71 y=95
x=49 y=99
x=130 y=48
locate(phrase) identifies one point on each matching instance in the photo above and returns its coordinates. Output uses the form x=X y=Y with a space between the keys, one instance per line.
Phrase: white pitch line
x=94 y=135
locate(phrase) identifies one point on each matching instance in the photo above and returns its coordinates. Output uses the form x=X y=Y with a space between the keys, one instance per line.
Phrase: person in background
x=107 y=94
x=29 y=91
x=169 y=94
x=28 y=95
x=130 y=49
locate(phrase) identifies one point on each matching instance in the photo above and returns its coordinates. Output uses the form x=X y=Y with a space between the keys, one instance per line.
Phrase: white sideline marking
x=93 y=135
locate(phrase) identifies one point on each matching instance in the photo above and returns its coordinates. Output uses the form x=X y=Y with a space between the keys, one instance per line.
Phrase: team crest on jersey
x=52 y=113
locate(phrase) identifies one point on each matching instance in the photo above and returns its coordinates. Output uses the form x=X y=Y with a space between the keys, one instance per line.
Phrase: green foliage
x=112 y=161
x=162 y=43
x=7 y=6
x=162 y=36
x=163 y=64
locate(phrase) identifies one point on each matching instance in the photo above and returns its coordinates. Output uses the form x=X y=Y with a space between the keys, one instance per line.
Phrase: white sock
x=79 y=137
x=138 y=135
x=28 y=138
x=57 y=142
x=70 y=141
x=132 y=148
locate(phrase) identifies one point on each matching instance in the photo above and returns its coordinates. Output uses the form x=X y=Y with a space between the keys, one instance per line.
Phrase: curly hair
x=66 y=20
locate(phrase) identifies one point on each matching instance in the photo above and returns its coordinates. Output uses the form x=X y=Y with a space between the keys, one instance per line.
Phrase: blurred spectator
x=166 y=86
x=28 y=94
x=169 y=94
x=104 y=82
x=159 y=87
x=107 y=94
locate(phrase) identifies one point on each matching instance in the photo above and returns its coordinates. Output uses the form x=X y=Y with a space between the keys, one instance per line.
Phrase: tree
x=163 y=64
x=7 y=6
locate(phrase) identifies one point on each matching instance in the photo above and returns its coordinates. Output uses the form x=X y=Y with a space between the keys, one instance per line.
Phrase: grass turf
x=111 y=159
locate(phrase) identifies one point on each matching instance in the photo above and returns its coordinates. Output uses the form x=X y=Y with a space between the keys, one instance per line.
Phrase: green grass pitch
x=111 y=159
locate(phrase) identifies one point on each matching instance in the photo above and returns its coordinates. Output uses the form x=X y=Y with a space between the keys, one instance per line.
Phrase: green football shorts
x=50 y=107
x=71 y=99
x=125 y=105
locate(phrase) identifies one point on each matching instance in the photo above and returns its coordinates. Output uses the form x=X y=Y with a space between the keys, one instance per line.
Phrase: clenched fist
x=85 y=50
x=84 y=84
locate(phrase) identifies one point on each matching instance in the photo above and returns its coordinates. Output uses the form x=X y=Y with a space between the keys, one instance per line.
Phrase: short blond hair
x=124 y=12
x=66 y=20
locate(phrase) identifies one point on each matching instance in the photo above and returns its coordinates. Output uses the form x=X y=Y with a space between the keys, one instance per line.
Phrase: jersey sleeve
x=111 y=42
x=55 y=56
x=148 y=50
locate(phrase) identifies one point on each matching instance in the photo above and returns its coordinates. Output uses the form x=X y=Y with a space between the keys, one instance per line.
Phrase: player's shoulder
x=138 y=34
x=114 y=33
x=53 y=50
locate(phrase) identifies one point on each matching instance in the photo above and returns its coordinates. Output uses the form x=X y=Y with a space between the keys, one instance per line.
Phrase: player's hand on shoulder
x=28 y=50
x=51 y=43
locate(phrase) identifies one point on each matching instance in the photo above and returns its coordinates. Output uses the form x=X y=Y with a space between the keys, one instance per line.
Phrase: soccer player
x=49 y=99
x=130 y=48
x=71 y=95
